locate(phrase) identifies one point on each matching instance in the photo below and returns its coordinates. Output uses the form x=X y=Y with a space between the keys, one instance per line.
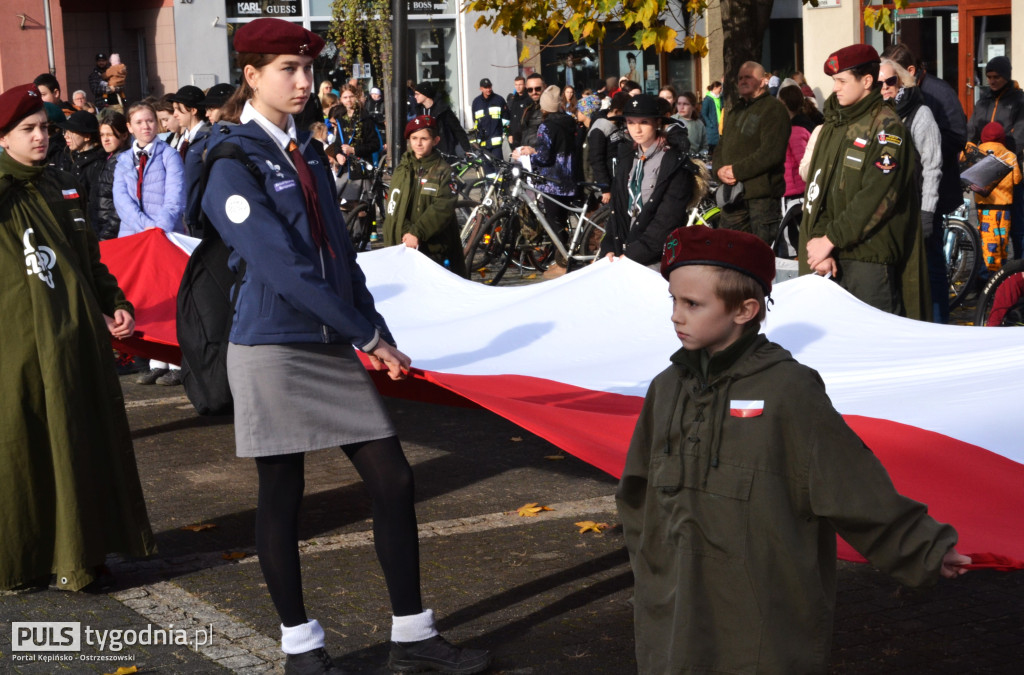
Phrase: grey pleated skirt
x=300 y=397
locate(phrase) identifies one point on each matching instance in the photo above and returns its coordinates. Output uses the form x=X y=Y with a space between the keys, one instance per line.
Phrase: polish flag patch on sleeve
x=746 y=408
x=70 y=194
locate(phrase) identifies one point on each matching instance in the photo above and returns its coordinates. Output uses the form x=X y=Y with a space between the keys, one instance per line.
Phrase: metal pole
x=399 y=39
x=49 y=41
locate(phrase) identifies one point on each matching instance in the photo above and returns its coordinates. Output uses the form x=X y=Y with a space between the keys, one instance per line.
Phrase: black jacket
x=359 y=131
x=603 y=142
x=453 y=136
x=643 y=239
x=530 y=122
x=106 y=222
x=1005 y=107
x=517 y=105
x=86 y=167
x=949 y=115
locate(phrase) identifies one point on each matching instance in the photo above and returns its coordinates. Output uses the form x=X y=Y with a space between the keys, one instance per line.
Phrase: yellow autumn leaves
x=534 y=509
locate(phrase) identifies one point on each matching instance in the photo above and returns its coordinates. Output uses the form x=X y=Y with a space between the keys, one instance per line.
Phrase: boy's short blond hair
x=733 y=288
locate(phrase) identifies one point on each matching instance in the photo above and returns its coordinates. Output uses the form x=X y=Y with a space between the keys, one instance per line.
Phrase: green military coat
x=422 y=202
x=861 y=194
x=755 y=136
x=69 y=487
x=730 y=521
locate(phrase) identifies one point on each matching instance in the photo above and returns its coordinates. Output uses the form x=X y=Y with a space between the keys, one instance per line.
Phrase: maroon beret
x=993 y=131
x=850 y=57
x=740 y=251
x=277 y=36
x=17 y=103
x=420 y=122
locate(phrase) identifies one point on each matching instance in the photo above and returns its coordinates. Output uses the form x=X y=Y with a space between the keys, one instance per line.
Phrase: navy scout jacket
x=291 y=292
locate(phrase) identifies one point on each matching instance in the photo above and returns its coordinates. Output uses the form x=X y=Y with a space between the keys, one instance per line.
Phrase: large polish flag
x=571 y=359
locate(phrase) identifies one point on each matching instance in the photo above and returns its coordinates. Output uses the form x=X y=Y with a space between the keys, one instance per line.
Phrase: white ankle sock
x=302 y=638
x=414 y=627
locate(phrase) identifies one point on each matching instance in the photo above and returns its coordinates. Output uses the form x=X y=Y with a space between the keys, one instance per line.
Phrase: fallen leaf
x=532 y=509
x=554 y=457
x=199 y=527
x=124 y=670
x=589 y=525
x=532 y=276
x=233 y=555
x=516 y=439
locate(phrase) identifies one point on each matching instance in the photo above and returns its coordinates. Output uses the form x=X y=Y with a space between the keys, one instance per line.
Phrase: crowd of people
x=876 y=170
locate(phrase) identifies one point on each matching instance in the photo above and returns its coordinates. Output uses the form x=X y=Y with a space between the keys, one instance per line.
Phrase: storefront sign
x=239 y=9
x=426 y=6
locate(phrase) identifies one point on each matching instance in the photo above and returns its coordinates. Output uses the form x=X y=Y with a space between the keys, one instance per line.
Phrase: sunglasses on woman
x=891 y=81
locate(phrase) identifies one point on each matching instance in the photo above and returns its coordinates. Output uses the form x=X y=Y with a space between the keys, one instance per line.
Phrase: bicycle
x=1002 y=297
x=511 y=234
x=963 y=253
x=369 y=207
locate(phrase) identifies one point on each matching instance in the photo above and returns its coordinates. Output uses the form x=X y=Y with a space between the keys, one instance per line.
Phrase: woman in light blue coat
x=158 y=199
x=149 y=192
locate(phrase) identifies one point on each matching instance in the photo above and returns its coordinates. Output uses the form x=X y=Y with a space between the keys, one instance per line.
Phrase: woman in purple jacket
x=149 y=192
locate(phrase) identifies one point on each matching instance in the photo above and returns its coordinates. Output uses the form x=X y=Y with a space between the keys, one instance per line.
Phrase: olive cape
x=69 y=488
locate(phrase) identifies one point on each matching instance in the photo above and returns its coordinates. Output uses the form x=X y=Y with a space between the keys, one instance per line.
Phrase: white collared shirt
x=191 y=135
x=283 y=138
x=137 y=151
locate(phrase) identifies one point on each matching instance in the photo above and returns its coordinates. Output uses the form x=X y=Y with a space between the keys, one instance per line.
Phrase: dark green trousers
x=874 y=283
x=757 y=216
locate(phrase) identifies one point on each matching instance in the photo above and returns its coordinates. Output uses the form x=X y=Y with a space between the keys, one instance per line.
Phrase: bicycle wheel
x=1002 y=300
x=589 y=242
x=962 y=248
x=464 y=208
x=485 y=241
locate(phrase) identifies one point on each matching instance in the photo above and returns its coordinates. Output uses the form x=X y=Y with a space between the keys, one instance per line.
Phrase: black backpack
x=206 y=306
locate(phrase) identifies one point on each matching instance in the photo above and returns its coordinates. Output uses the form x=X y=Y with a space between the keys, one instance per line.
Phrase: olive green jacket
x=69 y=489
x=861 y=194
x=754 y=140
x=730 y=521
x=422 y=203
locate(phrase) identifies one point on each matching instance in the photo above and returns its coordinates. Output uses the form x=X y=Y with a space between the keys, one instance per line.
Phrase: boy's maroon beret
x=740 y=251
x=420 y=122
x=17 y=103
x=850 y=57
x=277 y=36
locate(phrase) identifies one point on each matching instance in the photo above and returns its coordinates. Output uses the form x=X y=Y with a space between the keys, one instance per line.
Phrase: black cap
x=427 y=89
x=643 y=105
x=188 y=95
x=81 y=122
x=218 y=95
x=486 y=83
x=101 y=57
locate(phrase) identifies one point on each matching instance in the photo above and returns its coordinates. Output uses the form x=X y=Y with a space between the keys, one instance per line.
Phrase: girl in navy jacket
x=302 y=308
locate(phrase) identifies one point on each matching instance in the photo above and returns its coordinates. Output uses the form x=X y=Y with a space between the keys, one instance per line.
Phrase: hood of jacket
x=709 y=378
x=86 y=157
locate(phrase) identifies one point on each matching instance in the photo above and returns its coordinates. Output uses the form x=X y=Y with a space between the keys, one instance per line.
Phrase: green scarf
x=70 y=491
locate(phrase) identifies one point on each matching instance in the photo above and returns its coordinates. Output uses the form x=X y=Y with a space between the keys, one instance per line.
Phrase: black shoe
x=172 y=378
x=437 y=655
x=151 y=376
x=313 y=662
x=125 y=364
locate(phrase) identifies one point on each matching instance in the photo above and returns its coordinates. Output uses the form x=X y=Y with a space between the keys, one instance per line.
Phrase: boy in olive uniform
x=861 y=219
x=421 y=205
x=738 y=477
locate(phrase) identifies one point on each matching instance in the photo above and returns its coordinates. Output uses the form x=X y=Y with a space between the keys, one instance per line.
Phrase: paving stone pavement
x=544 y=597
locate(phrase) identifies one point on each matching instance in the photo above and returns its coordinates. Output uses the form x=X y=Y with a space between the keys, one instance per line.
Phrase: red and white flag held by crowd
x=570 y=360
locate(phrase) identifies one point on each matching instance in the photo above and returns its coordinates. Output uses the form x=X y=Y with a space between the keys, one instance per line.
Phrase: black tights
x=388 y=476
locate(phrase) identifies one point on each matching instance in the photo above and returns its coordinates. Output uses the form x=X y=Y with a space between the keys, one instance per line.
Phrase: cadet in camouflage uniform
x=861 y=209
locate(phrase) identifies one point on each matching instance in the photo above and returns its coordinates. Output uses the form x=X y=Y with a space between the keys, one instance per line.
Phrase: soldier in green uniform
x=69 y=487
x=421 y=205
x=861 y=213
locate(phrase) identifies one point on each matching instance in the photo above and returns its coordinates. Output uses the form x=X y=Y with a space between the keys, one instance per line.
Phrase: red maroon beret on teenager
x=17 y=103
x=850 y=57
x=740 y=251
x=277 y=36
x=421 y=122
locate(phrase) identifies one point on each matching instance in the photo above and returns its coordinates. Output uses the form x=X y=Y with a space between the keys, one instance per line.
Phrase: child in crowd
x=994 y=208
x=739 y=475
x=421 y=205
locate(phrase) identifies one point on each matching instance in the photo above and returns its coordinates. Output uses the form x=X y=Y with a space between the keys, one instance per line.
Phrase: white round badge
x=237 y=209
